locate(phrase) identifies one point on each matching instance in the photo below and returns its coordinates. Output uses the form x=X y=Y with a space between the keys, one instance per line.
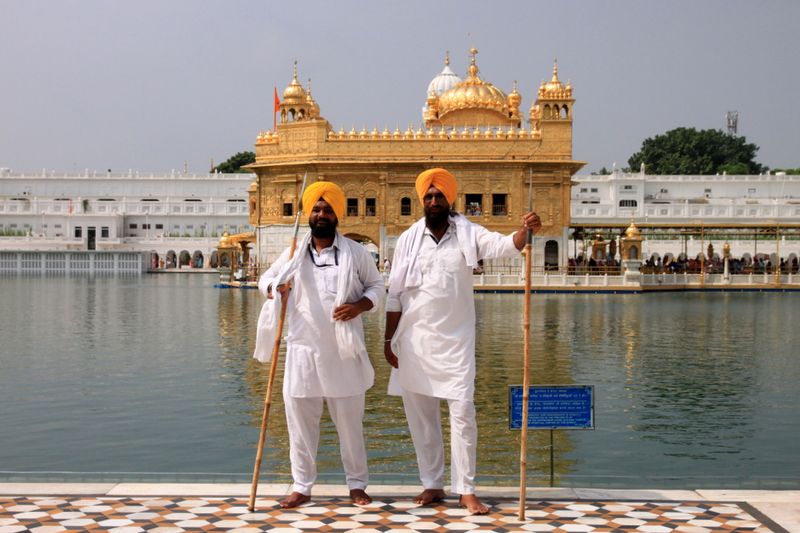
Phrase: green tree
x=689 y=151
x=235 y=163
x=789 y=171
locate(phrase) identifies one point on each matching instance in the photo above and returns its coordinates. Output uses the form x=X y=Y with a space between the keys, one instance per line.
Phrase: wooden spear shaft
x=526 y=331
x=262 y=436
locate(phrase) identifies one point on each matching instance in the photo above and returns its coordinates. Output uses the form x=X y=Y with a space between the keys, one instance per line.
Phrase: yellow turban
x=328 y=191
x=439 y=178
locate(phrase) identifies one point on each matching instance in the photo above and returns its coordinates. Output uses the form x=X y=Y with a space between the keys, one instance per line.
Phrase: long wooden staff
x=526 y=332
x=262 y=436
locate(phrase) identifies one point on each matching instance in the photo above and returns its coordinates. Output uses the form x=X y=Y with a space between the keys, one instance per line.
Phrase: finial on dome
x=473 y=67
x=447 y=58
x=295 y=70
x=555 y=70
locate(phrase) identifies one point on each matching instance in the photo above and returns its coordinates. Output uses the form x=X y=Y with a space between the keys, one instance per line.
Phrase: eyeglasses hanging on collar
x=335 y=257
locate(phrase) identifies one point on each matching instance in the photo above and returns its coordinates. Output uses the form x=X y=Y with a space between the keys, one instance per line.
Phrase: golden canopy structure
x=470 y=127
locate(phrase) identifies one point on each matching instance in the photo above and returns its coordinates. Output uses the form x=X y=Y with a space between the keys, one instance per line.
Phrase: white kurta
x=435 y=338
x=314 y=367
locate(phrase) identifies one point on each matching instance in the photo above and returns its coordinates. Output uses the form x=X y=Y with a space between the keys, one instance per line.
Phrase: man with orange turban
x=333 y=280
x=430 y=331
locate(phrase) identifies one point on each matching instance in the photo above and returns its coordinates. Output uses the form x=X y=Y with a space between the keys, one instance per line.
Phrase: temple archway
x=367 y=243
x=551 y=255
x=197 y=259
x=184 y=258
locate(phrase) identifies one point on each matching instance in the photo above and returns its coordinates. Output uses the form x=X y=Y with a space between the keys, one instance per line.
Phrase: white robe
x=320 y=361
x=431 y=284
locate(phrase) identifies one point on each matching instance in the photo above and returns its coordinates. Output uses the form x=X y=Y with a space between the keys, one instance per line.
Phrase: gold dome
x=224 y=241
x=294 y=93
x=514 y=98
x=554 y=88
x=253 y=187
x=554 y=84
x=632 y=232
x=473 y=93
x=313 y=108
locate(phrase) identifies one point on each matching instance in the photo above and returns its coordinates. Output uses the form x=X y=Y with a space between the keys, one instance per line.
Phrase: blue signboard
x=553 y=407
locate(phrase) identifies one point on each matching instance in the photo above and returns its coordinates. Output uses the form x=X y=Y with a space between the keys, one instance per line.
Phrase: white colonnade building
x=177 y=217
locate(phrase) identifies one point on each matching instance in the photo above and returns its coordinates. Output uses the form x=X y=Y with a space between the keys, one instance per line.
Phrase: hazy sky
x=150 y=84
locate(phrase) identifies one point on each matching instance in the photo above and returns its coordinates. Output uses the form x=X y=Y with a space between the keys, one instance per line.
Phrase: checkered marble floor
x=162 y=515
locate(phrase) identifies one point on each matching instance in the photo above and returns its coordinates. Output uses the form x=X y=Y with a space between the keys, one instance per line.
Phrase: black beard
x=323 y=231
x=436 y=220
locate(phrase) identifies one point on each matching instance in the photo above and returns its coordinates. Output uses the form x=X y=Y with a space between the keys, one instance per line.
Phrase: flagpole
x=526 y=330
x=275 y=104
x=262 y=436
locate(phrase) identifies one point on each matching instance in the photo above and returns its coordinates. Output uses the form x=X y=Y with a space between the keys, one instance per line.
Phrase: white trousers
x=302 y=420
x=424 y=422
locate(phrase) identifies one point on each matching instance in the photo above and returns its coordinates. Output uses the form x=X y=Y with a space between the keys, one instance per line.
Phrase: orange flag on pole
x=276 y=106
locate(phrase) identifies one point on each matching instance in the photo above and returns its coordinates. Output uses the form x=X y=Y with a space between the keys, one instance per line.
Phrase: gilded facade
x=469 y=126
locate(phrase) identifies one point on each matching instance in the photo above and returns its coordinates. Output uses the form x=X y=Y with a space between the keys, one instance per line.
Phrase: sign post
x=552 y=407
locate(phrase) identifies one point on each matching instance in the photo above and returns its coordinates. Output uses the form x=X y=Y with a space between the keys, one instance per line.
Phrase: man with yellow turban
x=333 y=280
x=430 y=331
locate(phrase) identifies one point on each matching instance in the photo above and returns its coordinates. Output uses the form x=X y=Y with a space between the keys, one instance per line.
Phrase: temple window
x=370 y=209
x=474 y=205
x=352 y=207
x=288 y=209
x=627 y=203
x=499 y=205
x=405 y=206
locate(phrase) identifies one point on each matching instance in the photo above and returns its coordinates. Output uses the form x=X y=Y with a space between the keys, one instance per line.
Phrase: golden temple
x=469 y=126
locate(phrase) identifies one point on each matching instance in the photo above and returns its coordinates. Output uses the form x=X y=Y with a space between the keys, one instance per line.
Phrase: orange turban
x=439 y=178
x=328 y=191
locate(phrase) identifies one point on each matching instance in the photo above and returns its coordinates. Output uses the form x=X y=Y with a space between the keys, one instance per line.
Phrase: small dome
x=554 y=88
x=313 y=108
x=253 y=187
x=224 y=241
x=514 y=98
x=444 y=81
x=632 y=232
x=294 y=93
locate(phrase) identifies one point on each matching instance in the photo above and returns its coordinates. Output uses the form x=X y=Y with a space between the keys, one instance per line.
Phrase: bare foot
x=295 y=499
x=360 y=497
x=472 y=504
x=429 y=496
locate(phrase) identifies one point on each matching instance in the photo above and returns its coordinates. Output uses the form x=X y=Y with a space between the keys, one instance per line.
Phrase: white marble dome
x=444 y=81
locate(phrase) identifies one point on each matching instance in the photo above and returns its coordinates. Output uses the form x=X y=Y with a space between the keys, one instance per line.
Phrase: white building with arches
x=177 y=217
x=683 y=214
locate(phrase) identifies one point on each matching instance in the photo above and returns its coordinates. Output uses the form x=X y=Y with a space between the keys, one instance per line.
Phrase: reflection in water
x=155 y=374
x=708 y=384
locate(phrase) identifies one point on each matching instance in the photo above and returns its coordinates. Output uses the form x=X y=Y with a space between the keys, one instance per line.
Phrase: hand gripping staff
x=526 y=333
x=262 y=436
